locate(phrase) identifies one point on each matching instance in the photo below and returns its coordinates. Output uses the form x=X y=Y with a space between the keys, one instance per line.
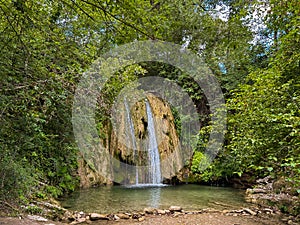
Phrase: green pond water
x=115 y=199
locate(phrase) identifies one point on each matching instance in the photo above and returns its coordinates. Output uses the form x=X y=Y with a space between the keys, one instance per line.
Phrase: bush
x=15 y=178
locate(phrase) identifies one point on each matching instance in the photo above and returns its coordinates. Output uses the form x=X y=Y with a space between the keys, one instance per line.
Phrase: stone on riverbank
x=141 y=219
x=174 y=208
x=251 y=212
x=97 y=216
x=161 y=211
x=150 y=210
x=123 y=216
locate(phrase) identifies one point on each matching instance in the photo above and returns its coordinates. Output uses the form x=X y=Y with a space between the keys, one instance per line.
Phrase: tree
x=264 y=112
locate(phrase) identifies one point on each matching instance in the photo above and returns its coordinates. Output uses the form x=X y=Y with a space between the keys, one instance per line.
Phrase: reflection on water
x=154 y=197
x=128 y=199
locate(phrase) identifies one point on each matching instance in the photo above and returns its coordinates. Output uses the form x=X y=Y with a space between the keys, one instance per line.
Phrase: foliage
x=263 y=125
x=15 y=177
x=39 y=65
x=199 y=162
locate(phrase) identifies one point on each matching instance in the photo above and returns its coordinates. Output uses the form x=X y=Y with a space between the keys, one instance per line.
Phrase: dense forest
x=251 y=47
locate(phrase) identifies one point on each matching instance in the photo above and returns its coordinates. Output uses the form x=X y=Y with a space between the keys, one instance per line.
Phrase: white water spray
x=153 y=153
x=133 y=140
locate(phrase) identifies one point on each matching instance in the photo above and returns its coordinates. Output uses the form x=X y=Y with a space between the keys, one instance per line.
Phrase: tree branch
x=118 y=19
x=9 y=205
x=13 y=28
x=88 y=15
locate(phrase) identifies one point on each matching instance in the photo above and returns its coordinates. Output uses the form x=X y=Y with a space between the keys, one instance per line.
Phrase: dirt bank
x=193 y=219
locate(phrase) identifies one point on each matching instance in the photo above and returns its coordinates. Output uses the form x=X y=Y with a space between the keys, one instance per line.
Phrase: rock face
x=116 y=158
x=89 y=177
x=137 y=155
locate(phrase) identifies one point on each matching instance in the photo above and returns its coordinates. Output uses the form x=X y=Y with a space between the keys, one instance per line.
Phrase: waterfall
x=133 y=139
x=153 y=153
x=153 y=173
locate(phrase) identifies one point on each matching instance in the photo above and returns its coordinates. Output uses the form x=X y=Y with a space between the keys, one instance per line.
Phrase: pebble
x=96 y=216
x=175 y=208
x=141 y=219
x=225 y=211
x=135 y=216
x=251 y=212
x=176 y=214
x=160 y=211
x=123 y=216
x=116 y=218
x=150 y=210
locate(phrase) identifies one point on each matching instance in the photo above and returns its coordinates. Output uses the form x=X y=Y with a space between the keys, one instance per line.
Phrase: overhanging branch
x=118 y=19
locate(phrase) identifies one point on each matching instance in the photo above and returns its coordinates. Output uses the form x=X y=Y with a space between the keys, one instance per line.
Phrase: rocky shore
x=55 y=215
x=277 y=195
x=173 y=212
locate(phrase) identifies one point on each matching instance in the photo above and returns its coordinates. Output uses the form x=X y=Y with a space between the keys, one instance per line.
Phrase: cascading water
x=153 y=153
x=133 y=139
x=152 y=176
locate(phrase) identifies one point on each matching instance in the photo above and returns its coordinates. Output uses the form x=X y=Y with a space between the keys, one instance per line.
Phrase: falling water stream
x=133 y=139
x=153 y=153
